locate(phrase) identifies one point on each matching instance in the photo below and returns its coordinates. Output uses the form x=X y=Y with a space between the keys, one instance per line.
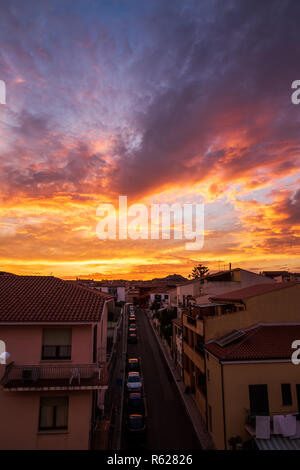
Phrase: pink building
x=56 y=375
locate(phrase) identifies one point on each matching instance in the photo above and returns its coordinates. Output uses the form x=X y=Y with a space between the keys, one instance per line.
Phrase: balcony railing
x=49 y=377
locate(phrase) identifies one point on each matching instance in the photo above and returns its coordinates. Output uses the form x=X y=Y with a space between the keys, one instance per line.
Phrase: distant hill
x=172 y=278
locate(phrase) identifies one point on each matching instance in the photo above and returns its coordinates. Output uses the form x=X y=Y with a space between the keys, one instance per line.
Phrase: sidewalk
x=191 y=408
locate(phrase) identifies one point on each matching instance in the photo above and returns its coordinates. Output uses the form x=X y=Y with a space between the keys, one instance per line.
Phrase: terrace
x=54 y=377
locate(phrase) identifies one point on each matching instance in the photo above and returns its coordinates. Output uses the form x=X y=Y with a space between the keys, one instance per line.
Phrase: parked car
x=132 y=327
x=134 y=381
x=136 y=424
x=135 y=403
x=132 y=338
x=133 y=364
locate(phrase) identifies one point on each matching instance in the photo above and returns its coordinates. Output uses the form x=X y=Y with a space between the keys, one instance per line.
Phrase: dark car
x=133 y=363
x=132 y=327
x=136 y=424
x=132 y=319
x=135 y=404
x=132 y=338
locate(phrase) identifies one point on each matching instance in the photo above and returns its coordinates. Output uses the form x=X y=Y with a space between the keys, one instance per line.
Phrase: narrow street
x=168 y=425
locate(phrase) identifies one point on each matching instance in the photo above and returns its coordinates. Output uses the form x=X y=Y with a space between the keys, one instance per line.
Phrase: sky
x=162 y=101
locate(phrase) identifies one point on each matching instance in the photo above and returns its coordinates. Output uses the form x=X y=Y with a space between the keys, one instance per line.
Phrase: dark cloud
x=219 y=72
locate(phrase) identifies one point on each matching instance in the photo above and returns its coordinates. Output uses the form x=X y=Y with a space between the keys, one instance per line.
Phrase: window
x=166 y=296
x=191 y=342
x=56 y=343
x=259 y=400
x=286 y=394
x=53 y=413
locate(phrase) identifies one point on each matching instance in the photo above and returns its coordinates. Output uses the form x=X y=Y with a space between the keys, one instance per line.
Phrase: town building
x=118 y=289
x=196 y=295
x=226 y=313
x=54 y=381
x=252 y=387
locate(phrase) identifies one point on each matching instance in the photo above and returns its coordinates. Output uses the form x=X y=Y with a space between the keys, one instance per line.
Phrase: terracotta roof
x=252 y=291
x=275 y=273
x=261 y=342
x=48 y=299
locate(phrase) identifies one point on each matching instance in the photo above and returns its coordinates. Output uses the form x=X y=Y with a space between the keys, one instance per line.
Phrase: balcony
x=57 y=377
x=191 y=321
x=250 y=421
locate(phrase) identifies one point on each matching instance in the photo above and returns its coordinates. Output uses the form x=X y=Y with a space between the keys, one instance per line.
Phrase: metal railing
x=34 y=373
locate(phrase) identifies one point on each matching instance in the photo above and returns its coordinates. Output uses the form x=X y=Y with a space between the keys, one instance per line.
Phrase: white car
x=134 y=382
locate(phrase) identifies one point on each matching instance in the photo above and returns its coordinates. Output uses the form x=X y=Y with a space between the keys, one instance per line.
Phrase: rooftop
x=258 y=343
x=42 y=299
x=253 y=291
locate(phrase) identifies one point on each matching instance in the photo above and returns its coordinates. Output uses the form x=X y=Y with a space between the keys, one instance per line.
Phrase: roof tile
x=48 y=299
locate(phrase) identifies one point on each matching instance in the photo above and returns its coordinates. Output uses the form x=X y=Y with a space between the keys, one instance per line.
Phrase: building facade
x=54 y=380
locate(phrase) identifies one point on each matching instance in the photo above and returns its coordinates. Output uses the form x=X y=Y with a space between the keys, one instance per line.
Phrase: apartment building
x=226 y=281
x=252 y=387
x=281 y=276
x=159 y=295
x=117 y=289
x=54 y=381
x=237 y=310
x=195 y=295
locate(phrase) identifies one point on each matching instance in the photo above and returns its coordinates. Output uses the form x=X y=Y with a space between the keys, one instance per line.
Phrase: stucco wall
x=278 y=306
x=19 y=422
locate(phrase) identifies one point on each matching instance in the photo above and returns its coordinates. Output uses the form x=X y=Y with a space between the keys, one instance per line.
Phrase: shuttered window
x=286 y=394
x=53 y=413
x=57 y=343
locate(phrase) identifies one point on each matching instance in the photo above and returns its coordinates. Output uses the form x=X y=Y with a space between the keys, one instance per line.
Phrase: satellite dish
x=4 y=356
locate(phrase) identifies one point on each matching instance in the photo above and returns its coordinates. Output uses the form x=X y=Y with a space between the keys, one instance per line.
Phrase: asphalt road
x=168 y=425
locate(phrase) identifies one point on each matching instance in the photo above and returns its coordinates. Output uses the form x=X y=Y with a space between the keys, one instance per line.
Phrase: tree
x=198 y=272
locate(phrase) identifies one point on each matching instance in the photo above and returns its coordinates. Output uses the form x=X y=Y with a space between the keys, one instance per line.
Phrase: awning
x=278 y=443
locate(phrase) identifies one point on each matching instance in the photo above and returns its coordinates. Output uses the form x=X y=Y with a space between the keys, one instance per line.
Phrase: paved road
x=169 y=427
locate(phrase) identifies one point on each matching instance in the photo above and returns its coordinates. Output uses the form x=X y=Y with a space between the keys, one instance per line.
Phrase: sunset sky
x=159 y=100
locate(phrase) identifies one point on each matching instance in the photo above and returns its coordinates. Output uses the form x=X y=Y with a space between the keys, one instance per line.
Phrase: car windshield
x=134 y=378
x=136 y=422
